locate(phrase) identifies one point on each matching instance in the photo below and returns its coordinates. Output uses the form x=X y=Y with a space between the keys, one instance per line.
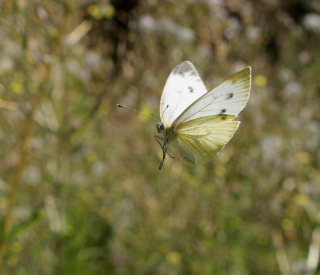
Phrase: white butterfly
x=199 y=123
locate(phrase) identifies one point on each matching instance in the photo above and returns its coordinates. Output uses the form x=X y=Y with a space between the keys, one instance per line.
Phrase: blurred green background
x=80 y=190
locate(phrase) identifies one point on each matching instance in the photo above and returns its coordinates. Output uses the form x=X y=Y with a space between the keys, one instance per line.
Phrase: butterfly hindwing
x=182 y=88
x=201 y=139
x=228 y=98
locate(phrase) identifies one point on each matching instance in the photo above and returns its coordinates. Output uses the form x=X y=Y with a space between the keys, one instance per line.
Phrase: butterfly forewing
x=228 y=98
x=201 y=139
x=182 y=88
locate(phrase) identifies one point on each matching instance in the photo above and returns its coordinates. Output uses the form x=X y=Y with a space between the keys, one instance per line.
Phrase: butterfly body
x=196 y=122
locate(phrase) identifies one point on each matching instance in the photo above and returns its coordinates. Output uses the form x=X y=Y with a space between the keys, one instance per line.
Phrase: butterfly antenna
x=138 y=111
x=164 y=111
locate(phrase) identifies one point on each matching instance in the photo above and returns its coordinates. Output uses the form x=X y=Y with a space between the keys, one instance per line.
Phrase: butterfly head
x=160 y=127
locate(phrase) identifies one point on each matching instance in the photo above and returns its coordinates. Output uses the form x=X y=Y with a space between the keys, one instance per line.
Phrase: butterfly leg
x=164 y=152
x=157 y=138
x=163 y=149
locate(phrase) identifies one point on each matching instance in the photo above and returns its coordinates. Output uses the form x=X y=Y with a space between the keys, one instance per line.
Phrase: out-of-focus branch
x=314 y=252
x=80 y=31
x=17 y=178
x=282 y=258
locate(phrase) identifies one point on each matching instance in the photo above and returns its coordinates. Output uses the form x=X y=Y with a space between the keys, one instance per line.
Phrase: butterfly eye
x=160 y=127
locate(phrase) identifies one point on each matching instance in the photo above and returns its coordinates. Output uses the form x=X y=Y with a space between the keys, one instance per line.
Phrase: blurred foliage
x=80 y=190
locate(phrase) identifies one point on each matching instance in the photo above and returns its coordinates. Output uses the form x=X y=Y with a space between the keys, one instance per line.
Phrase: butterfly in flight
x=198 y=123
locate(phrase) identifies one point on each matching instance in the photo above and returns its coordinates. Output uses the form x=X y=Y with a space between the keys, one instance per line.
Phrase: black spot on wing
x=179 y=73
x=223 y=111
x=182 y=69
x=230 y=95
x=191 y=90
